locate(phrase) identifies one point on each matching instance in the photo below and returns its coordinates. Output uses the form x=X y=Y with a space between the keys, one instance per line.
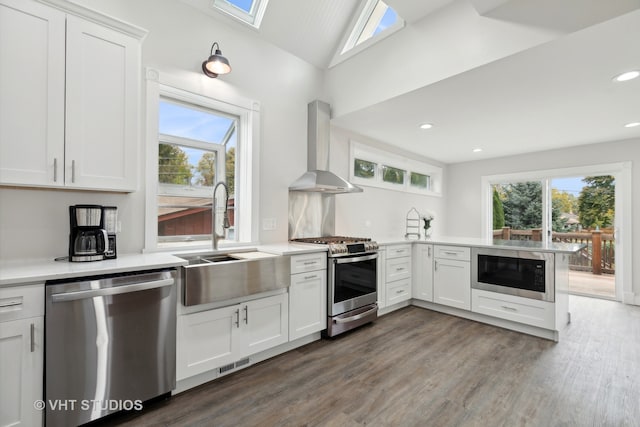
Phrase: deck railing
x=598 y=256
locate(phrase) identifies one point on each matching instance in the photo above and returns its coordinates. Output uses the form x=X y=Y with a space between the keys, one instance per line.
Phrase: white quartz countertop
x=523 y=245
x=22 y=272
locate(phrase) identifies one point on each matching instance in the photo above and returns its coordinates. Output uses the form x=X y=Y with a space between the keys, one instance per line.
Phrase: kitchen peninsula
x=518 y=285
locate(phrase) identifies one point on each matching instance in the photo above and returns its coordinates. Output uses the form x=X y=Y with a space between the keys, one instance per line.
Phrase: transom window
x=197 y=149
x=248 y=11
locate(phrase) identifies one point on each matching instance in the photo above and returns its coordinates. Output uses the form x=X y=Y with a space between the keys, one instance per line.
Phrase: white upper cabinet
x=32 y=54
x=70 y=117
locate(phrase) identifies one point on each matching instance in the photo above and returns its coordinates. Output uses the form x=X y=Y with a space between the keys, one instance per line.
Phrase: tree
x=596 y=202
x=230 y=167
x=498 y=211
x=207 y=169
x=523 y=205
x=173 y=165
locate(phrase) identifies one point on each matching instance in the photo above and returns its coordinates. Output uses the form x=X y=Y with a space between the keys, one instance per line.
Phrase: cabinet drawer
x=398 y=268
x=453 y=252
x=21 y=302
x=398 y=291
x=517 y=309
x=308 y=262
x=397 y=251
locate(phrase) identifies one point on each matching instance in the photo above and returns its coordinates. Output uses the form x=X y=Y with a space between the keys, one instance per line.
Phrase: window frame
x=252 y=18
x=382 y=158
x=192 y=91
x=348 y=47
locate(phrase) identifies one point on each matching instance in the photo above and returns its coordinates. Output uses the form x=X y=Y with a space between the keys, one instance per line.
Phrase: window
x=194 y=141
x=196 y=150
x=379 y=168
x=247 y=11
x=375 y=21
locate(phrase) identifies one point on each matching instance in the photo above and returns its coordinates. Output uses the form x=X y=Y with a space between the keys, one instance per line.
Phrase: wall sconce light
x=216 y=64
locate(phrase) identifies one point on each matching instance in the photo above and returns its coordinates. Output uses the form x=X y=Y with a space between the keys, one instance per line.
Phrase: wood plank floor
x=415 y=367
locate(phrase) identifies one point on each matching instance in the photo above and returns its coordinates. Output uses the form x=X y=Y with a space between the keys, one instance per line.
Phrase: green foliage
x=393 y=175
x=498 y=211
x=173 y=165
x=596 y=202
x=364 y=169
x=523 y=205
x=207 y=169
x=230 y=167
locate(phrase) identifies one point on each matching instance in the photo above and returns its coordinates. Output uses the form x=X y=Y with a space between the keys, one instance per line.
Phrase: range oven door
x=521 y=273
x=352 y=282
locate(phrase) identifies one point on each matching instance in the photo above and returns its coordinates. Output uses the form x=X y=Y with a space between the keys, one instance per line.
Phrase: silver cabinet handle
x=237 y=322
x=33 y=337
x=73 y=171
x=399 y=268
x=246 y=315
x=400 y=291
x=451 y=252
x=429 y=251
x=509 y=308
x=55 y=169
x=309 y=262
x=435 y=265
x=72 y=296
x=313 y=276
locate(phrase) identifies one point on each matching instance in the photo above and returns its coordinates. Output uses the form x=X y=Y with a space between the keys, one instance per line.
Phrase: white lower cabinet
x=210 y=339
x=452 y=277
x=307 y=303
x=422 y=276
x=397 y=274
x=21 y=354
x=517 y=309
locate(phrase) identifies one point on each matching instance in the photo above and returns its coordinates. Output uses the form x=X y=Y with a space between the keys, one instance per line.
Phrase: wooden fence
x=598 y=256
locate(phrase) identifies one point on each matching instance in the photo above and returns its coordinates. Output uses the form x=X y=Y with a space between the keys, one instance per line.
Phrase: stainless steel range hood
x=318 y=178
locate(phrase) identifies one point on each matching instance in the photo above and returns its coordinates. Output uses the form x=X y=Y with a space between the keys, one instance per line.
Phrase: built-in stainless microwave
x=523 y=273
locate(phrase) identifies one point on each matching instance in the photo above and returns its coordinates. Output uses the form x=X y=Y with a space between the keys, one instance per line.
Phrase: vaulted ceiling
x=548 y=91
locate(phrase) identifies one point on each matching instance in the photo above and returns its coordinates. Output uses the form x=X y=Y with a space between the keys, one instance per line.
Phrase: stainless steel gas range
x=351 y=281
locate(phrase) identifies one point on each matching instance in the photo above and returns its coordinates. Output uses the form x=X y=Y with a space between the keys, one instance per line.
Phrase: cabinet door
x=398 y=268
x=265 y=322
x=32 y=49
x=422 y=278
x=398 y=291
x=307 y=303
x=452 y=283
x=207 y=340
x=21 y=367
x=102 y=78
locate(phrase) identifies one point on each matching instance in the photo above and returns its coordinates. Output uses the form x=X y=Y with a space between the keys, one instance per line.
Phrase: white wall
x=463 y=182
x=34 y=223
x=378 y=213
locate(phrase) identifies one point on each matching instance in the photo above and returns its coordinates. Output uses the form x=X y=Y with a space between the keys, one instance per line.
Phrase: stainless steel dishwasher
x=110 y=344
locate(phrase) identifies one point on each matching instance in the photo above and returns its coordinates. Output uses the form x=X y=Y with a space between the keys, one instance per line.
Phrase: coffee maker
x=110 y=215
x=88 y=239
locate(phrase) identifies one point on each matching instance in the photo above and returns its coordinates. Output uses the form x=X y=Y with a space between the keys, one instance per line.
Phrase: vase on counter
x=427 y=228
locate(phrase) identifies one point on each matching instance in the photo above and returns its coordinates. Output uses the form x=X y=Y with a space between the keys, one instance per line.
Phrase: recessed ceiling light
x=629 y=75
x=632 y=125
x=426 y=126
x=477 y=150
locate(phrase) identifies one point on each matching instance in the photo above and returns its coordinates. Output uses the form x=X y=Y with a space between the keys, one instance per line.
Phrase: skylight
x=247 y=11
x=376 y=18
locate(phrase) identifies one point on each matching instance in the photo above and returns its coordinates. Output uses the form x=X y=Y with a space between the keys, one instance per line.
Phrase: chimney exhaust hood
x=318 y=178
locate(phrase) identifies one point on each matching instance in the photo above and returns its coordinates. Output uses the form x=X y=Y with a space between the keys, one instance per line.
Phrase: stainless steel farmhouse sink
x=219 y=277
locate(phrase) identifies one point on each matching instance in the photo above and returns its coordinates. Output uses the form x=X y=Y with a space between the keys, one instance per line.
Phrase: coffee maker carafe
x=88 y=240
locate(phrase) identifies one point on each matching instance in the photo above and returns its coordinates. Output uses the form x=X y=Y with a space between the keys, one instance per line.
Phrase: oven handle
x=357 y=316
x=355 y=259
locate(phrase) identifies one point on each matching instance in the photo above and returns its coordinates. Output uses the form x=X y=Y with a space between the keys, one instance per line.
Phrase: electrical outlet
x=269 y=224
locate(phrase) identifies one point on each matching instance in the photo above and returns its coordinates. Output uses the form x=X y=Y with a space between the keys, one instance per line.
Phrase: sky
x=571 y=185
